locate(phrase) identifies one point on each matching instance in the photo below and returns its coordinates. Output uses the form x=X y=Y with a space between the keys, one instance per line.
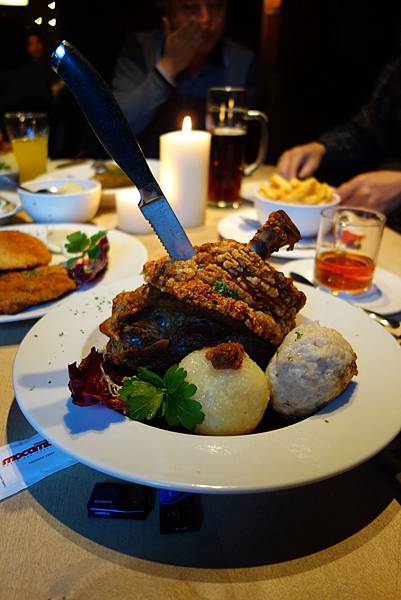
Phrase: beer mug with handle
x=227 y=117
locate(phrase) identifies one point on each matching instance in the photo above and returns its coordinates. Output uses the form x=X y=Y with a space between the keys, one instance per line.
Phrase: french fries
x=296 y=191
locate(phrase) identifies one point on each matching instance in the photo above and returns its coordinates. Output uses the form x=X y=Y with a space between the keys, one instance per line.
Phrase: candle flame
x=222 y=113
x=231 y=103
x=187 y=125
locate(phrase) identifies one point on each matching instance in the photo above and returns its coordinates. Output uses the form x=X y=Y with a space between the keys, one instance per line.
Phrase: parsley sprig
x=170 y=397
x=221 y=286
x=83 y=246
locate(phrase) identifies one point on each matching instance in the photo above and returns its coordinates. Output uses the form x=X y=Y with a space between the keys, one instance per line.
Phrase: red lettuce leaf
x=89 y=385
x=87 y=269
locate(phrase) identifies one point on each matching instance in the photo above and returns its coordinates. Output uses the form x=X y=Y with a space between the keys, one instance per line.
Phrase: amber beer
x=344 y=271
x=347 y=245
x=227 y=160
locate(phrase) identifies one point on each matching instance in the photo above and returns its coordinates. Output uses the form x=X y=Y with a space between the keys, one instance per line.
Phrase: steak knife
x=111 y=127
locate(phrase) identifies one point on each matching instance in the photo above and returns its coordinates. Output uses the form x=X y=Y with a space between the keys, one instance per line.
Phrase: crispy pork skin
x=225 y=293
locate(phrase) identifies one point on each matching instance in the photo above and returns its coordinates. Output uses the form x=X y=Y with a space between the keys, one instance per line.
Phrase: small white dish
x=242 y=226
x=306 y=217
x=384 y=296
x=71 y=206
x=9 y=198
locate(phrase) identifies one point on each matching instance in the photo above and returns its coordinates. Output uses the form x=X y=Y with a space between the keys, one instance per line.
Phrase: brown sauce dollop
x=228 y=355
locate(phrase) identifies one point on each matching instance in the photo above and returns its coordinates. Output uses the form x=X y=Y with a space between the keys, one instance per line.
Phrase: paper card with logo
x=25 y=462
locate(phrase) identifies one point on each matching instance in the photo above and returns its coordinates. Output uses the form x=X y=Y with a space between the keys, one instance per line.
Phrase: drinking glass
x=348 y=243
x=227 y=117
x=28 y=133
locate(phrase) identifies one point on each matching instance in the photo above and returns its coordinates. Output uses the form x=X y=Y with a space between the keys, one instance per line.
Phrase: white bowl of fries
x=302 y=200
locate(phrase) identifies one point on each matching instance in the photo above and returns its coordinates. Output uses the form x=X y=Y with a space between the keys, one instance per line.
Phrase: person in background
x=370 y=143
x=38 y=50
x=24 y=84
x=163 y=75
x=35 y=46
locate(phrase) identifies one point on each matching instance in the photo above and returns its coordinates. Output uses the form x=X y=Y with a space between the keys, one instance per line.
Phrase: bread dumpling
x=313 y=365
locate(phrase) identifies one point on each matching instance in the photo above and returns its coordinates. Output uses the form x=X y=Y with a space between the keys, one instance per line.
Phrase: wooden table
x=336 y=540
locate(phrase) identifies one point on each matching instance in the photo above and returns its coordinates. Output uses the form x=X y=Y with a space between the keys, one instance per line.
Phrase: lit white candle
x=184 y=172
x=130 y=218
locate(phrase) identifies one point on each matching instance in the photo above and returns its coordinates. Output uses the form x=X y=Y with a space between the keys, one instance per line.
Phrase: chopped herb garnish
x=299 y=334
x=148 y=396
x=201 y=266
x=221 y=286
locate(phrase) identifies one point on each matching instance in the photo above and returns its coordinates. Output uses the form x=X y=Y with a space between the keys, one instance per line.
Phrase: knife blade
x=113 y=131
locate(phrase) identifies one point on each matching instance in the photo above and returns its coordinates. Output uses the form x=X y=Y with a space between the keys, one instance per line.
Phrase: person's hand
x=301 y=161
x=180 y=46
x=378 y=190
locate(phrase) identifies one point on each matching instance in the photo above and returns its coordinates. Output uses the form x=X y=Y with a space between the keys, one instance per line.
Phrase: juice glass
x=28 y=133
x=348 y=243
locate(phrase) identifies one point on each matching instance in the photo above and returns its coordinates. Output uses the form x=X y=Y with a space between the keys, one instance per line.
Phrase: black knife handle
x=102 y=112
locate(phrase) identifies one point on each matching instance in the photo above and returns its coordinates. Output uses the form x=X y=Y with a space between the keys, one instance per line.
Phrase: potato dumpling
x=231 y=387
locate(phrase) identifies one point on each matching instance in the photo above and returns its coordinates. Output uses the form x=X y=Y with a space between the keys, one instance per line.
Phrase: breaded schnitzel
x=21 y=289
x=21 y=251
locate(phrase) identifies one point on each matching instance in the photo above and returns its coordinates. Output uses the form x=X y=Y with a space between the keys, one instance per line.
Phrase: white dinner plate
x=384 y=296
x=352 y=428
x=86 y=171
x=242 y=226
x=126 y=257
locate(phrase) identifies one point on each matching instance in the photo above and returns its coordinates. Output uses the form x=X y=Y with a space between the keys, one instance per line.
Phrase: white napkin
x=25 y=462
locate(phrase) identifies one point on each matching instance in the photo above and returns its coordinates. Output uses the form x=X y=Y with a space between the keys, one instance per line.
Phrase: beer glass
x=28 y=134
x=347 y=246
x=227 y=117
